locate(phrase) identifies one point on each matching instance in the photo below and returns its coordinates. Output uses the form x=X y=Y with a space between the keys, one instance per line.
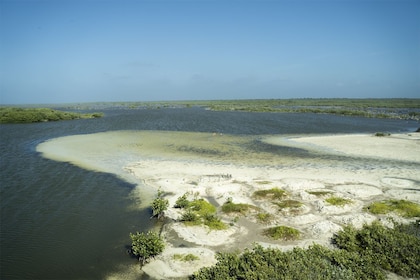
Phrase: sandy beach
x=361 y=168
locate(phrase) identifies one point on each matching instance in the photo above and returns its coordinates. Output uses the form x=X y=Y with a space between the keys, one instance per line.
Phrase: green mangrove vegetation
x=146 y=245
x=394 y=250
x=32 y=115
x=199 y=212
x=367 y=253
x=159 y=205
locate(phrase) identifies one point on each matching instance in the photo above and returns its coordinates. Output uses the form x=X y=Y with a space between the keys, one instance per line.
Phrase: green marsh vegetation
x=264 y=218
x=278 y=198
x=288 y=203
x=338 y=201
x=229 y=207
x=319 y=193
x=274 y=193
x=282 y=232
x=367 y=253
x=185 y=257
x=32 y=115
x=146 y=245
x=404 y=208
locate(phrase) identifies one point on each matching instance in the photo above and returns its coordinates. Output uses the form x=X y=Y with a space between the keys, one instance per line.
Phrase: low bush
x=182 y=201
x=159 y=205
x=199 y=212
x=240 y=208
x=214 y=222
x=190 y=217
x=146 y=245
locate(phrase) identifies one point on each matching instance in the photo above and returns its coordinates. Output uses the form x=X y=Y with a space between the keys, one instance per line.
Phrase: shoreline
x=176 y=172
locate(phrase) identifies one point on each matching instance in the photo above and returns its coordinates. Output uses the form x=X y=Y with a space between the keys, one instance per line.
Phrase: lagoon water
x=59 y=221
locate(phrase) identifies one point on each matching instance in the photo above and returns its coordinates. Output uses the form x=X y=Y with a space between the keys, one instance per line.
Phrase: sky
x=124 y=50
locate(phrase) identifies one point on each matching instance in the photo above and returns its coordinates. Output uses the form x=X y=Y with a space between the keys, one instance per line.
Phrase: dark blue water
x=61 y=222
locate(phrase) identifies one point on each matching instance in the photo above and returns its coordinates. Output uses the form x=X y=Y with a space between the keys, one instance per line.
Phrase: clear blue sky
x=92 y=50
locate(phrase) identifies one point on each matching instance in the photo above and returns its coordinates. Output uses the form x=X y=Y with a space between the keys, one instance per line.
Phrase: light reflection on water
x=60 y=221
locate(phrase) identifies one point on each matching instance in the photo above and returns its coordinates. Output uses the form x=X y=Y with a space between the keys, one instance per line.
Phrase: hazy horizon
x=55 y=52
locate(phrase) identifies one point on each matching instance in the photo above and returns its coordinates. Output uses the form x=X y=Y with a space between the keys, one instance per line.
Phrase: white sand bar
x=404 y=147
x=361 y=168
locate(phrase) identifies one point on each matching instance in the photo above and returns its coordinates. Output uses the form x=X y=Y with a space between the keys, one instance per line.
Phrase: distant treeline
x=31 y=115
x=371 y=108
x=396 y=108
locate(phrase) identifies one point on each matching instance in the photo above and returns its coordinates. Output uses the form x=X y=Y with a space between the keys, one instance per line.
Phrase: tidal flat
x=359 y=168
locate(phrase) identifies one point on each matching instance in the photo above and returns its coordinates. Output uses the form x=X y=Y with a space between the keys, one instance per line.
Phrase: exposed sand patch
x=395 y=147
x=226 y=170
x=168 y=266
x=359 y=191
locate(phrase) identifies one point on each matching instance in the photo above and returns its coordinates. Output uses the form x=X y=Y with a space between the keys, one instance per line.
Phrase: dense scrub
x=362 y=254
x=31 y=115
x=317 y=262
x=394 y=250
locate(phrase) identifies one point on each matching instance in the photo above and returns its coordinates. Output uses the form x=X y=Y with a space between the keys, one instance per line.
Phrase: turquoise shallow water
x=59 y=221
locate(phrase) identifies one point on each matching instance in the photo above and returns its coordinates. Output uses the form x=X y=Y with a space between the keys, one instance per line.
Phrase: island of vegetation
x=32 y=115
